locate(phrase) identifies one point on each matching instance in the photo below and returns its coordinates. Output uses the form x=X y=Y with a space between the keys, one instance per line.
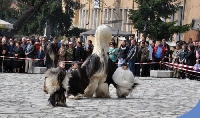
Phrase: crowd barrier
x=181 y=67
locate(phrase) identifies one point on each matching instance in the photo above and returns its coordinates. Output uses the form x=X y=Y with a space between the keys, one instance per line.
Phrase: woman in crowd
x=18 y=53
x=175 y=57
x=112 y=52
x=182 y=55
x=62 y=52
x=190 y=59
x=10 y=54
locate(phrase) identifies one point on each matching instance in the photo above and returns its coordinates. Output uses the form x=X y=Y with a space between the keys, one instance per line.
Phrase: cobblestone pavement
x=21 y=96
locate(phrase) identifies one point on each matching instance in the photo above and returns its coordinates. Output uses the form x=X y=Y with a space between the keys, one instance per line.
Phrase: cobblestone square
x=22 y=96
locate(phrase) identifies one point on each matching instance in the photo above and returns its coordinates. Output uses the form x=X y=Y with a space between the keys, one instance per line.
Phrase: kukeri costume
x=56 y=84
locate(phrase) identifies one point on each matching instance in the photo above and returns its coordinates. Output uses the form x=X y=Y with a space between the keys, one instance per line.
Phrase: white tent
x=5 y=25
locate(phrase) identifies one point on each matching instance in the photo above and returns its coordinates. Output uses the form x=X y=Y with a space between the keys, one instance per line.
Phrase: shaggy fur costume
x=124 y=81
x=97 y=65
x=56 y=84
x=51 y=55
x=77 y=82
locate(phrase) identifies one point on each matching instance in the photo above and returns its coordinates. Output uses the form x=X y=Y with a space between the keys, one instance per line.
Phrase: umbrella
x=115 y=32
x=5 y=25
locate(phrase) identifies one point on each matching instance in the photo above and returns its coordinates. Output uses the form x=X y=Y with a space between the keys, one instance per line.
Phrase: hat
x=124 y=64
x=70 y=43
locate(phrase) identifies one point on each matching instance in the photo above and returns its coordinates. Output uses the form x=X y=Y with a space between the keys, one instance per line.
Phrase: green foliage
x=52 y=14
x=75 y=31
x=147 y=19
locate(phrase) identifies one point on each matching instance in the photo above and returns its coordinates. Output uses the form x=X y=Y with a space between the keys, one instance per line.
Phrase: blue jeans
x=131 y=65
x=121 y=61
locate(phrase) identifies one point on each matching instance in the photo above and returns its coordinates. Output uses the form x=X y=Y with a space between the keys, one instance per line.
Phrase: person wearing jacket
x=158 y=54
x=122 y=53
x=131 y=56
x=143 y=55
x=18 y=53
x=182 y=55
x=29 y=52
x=190 y=59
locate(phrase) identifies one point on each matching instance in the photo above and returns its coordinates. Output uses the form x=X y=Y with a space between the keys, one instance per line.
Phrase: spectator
x=183 y=53
x=166 y=55
x=89 y=49
x=112 y=52
x=10 y=54
x=158 y=54
x=3 y=52
x=23 y=45
x=18 y=53
x=122 y=53
x=198 y=51
x=143 y=55
x=29 y=54
x=40 y=55
x=62 y=52
x=150 y=50
x=190 y=59
x=197 y=69
x=175 y=56
x=190 y=41
x=132 y=55
x=79 y=52
x=70 y=54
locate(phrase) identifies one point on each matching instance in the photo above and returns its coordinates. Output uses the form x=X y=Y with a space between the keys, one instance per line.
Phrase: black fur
x=51 y=49
x=78 y=82
x=58 y=98
x=91 y=69
x=111 y=69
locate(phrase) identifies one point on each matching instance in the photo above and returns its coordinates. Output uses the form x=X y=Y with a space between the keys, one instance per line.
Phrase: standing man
x=23 y=45
x=29 y=54
x=132 y=55
x=158 y=54
x=122 y=53
x=166 y=55
x=150 y=49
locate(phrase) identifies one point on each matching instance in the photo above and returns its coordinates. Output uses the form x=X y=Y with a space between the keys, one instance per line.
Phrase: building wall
x=114 y=14
x=117 y=10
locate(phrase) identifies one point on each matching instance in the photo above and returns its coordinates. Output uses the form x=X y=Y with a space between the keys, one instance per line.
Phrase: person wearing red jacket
x=158 y=54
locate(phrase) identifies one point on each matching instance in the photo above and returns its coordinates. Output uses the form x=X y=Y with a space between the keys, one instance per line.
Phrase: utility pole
x=102 y=11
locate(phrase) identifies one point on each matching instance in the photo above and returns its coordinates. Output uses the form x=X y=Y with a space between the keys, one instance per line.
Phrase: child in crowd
x=197 y=69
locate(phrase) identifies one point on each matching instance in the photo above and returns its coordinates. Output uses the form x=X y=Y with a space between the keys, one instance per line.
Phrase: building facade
x=115 y=14
x=110 y=12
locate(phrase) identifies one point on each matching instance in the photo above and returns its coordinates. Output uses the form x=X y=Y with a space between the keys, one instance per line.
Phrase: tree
x=34 y=14
x=147 y=18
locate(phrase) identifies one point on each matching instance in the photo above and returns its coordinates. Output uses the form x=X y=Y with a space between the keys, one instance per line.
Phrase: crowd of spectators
x=16 y=50
x=129 y=51
x=159 y=51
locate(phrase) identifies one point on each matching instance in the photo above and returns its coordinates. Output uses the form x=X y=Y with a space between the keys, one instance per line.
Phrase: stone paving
x=21 y=96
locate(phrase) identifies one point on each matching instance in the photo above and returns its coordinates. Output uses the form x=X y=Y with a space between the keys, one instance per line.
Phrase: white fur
x=124 y=80
x=101 y=43
x=65 y=82
x=51 y=82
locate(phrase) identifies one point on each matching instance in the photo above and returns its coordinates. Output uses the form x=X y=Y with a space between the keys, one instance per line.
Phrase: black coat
x=79 y=53
x=31 y=51
x=18 y=62
x=190 y=58
x=123 y=51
